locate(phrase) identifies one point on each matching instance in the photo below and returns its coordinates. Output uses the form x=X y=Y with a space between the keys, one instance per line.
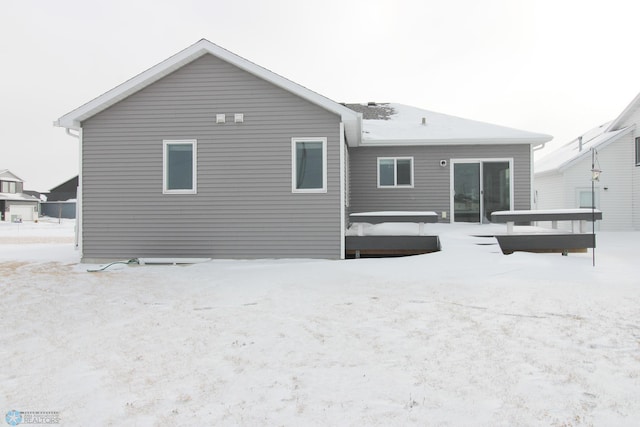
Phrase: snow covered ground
x=466 y=336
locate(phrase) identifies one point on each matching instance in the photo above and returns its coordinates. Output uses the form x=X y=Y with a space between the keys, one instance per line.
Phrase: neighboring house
x=210 y=155
x=15 y=204
x=61 y=200
x=563 y=176
x=68 y=190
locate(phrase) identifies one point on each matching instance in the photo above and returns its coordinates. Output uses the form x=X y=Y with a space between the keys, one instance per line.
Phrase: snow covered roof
x=398 y=124
x=18 y=197
x=383 y=124
x=73 y=119
x=575 y=150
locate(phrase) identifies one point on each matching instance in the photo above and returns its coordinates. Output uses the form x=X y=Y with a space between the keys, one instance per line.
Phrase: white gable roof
x=574 y=151
x=404 y=126
x=6 y=175
x=626 y=113
x=73 y=119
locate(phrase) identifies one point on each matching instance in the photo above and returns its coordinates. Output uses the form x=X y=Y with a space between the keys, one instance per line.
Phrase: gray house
x=210 y=155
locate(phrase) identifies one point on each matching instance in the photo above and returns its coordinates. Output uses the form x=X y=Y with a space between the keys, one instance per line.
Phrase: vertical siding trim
x=342 y=192
x=451 y=191
x=80 y=198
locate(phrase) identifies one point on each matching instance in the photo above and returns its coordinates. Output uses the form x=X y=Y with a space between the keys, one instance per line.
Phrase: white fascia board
x=468 y=141
x=73 y=119
x=543 y=173
x=587 y=153
x=10 y=176
x=632 y=106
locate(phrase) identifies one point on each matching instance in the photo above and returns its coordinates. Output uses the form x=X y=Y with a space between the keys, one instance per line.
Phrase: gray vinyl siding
x=244 y=206
x=431 y=191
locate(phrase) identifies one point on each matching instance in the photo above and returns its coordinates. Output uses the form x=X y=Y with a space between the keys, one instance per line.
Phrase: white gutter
x=538 y=146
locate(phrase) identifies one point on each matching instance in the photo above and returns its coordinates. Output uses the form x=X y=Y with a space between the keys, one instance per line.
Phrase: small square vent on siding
x=238 y=117
x=220 y=118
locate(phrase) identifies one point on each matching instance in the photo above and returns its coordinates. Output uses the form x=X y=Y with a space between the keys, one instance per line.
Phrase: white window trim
x=165 y=170
x=596 y=191
x=395 y=172
x=637 y=150
x=294 y=166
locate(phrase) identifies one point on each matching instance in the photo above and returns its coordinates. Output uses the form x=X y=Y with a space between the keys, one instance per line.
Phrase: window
x=179 y=174
x=309 y=165
x=395 y=172
x=638 y=151
x=585 y=199
x=8 y=187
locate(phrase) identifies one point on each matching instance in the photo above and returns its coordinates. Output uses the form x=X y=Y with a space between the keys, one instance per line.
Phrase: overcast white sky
x=557 y=67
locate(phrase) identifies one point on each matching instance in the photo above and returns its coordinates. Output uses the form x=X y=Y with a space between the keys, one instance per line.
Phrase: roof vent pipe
x=371 y=104
x=424 y=121
x=580 y=144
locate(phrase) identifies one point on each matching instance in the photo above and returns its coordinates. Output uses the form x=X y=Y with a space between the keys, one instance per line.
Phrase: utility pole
x=595 y=176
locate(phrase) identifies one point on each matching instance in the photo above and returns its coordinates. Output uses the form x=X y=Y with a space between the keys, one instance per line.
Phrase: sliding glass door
x=479 y=188
x=466 y=197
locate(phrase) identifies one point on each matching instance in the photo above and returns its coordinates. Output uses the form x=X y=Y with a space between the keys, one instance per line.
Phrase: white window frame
x=165 y=168
x=637 y=145
x=587 y=190
x=481 y=161
x=11 y=187
x=395 y=172
x=294 y=166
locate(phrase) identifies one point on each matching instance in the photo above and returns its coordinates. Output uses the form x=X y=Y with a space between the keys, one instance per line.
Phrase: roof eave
x=74 y=119
x=458 y=141
x=544 y=172
x=585 y=153
x=618 y=120
x=15 y=178
x=564 y=166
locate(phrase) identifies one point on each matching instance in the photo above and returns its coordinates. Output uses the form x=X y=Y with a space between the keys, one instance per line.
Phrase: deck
x=358 y=245
x=545 y=239
x=377 y=234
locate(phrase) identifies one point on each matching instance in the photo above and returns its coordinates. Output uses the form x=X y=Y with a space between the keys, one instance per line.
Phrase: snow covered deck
x=390 y=233
x=538 y=239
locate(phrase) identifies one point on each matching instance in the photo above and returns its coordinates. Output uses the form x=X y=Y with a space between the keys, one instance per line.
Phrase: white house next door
x=479 y=187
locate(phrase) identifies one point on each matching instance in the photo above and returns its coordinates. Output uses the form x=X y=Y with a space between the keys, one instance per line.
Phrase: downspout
x=78 y=239
x=533 y=198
